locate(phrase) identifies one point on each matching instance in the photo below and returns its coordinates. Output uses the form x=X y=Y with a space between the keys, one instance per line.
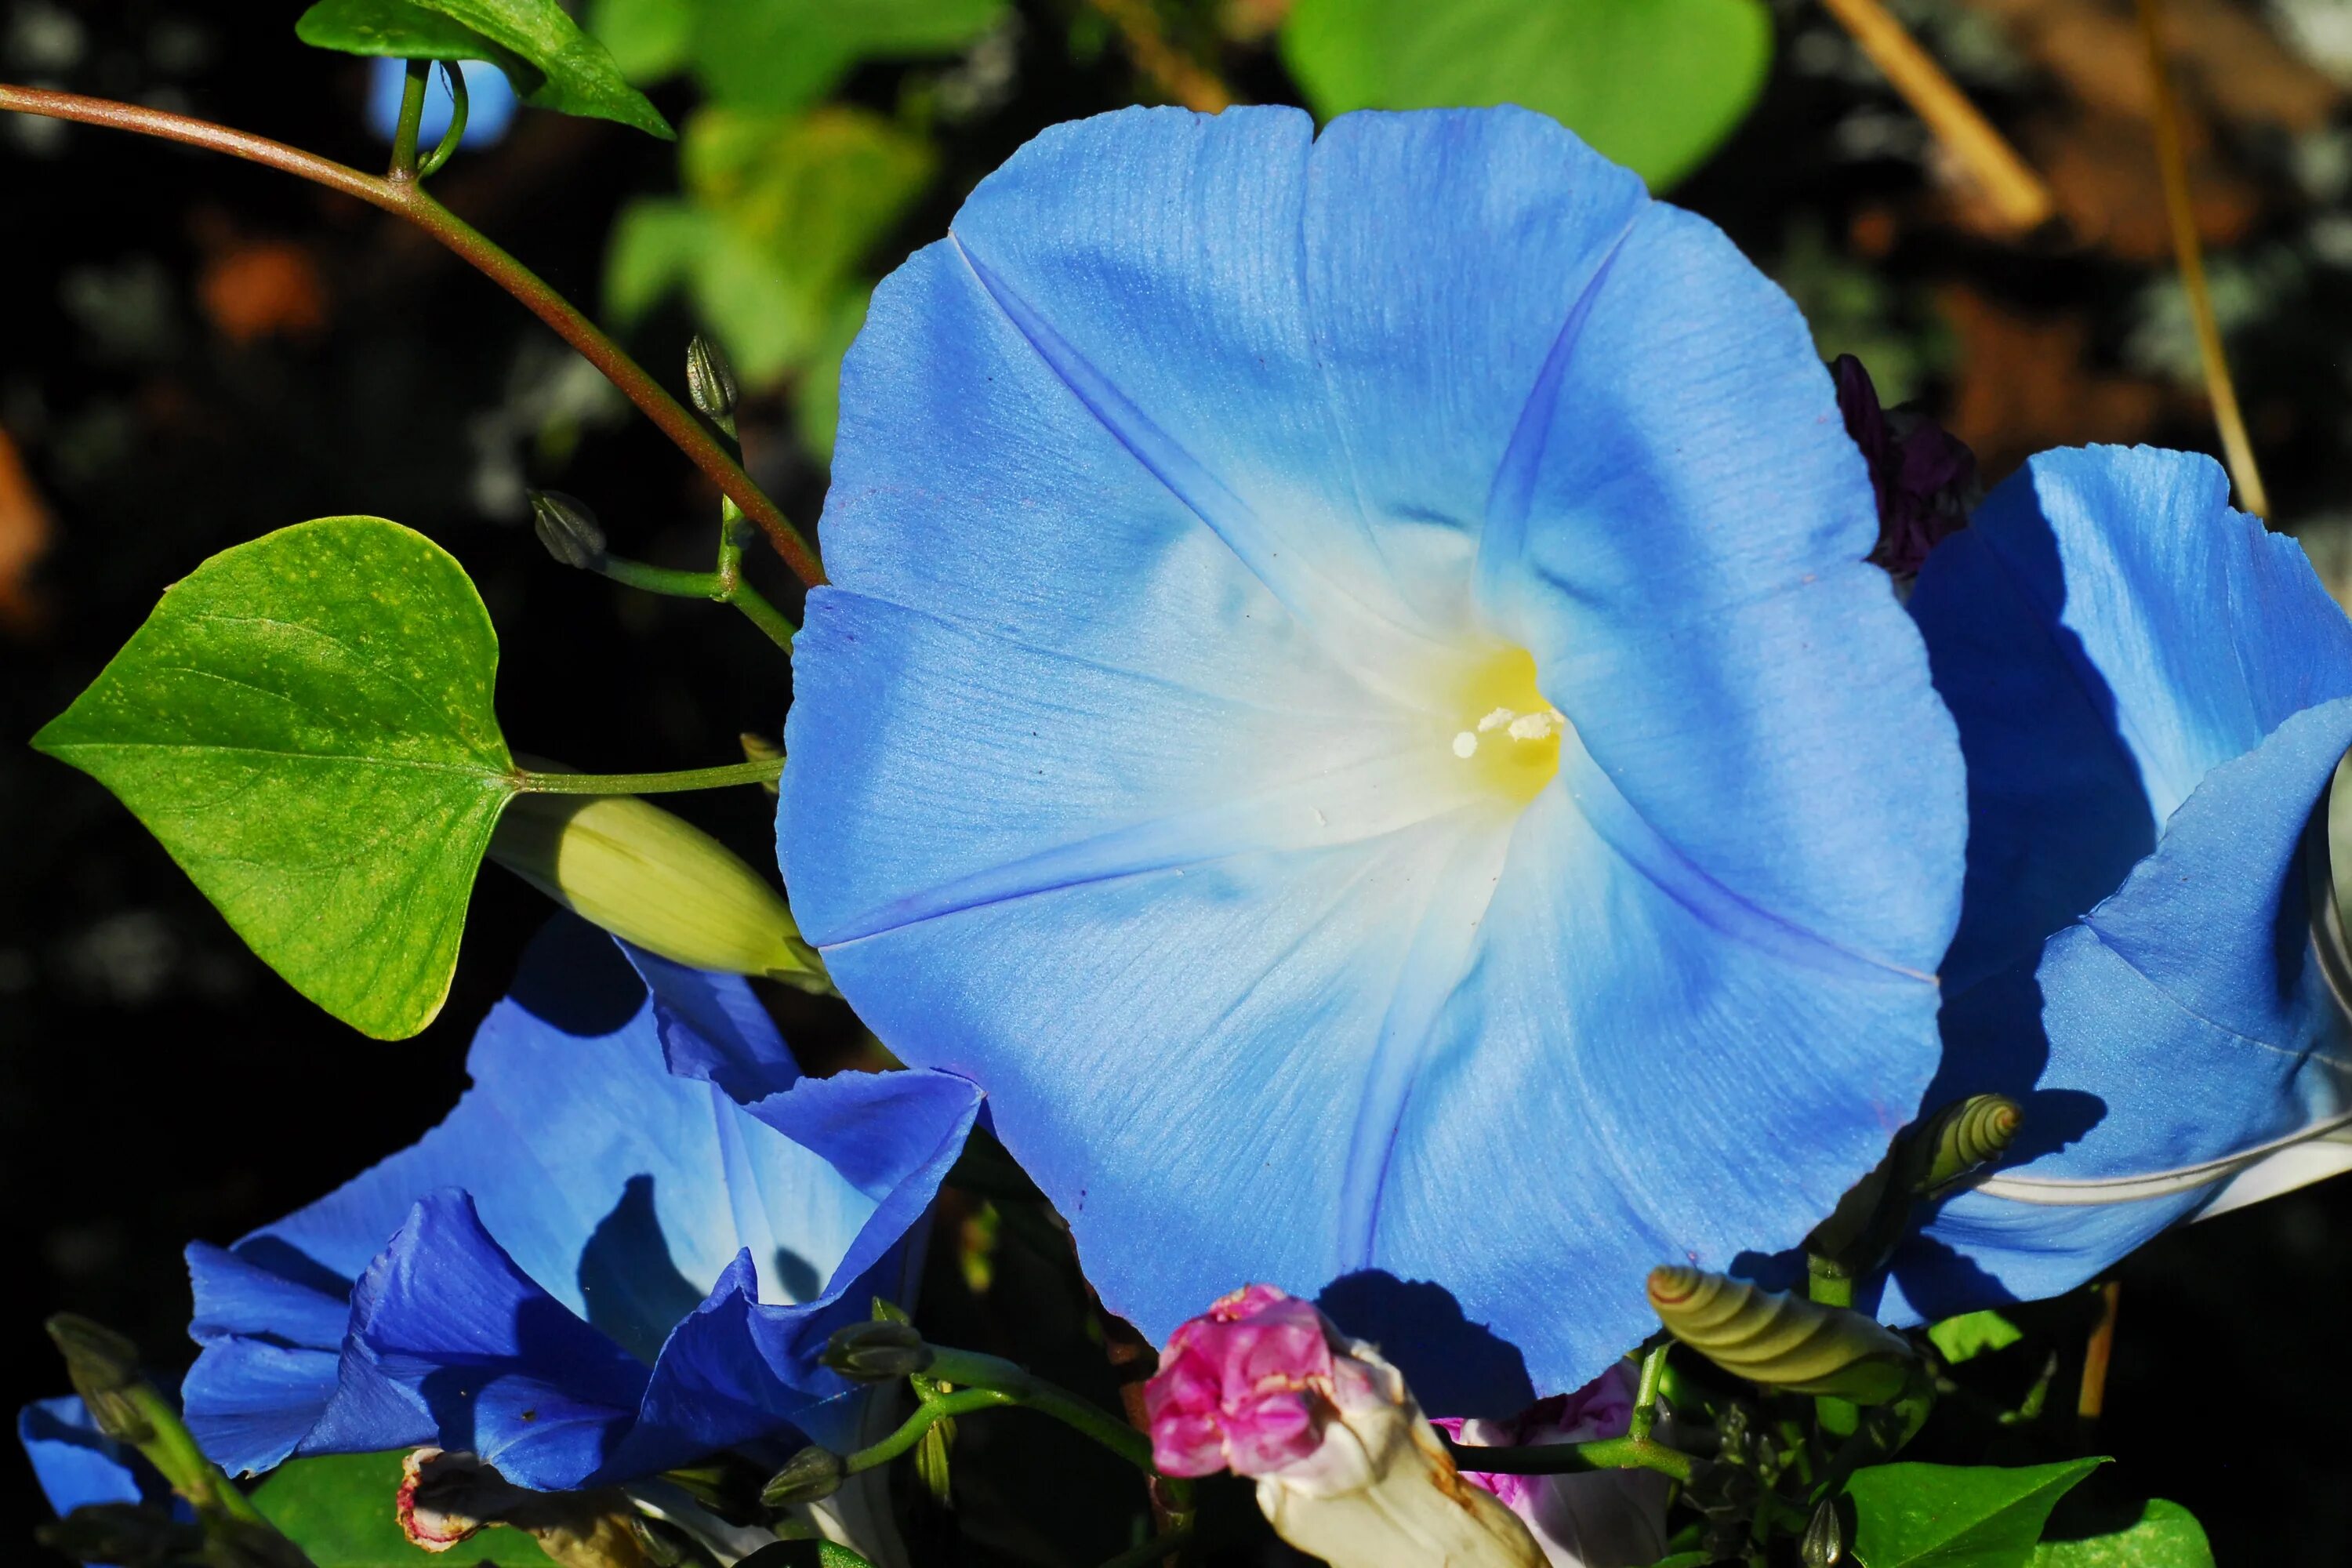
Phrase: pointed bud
x=709 y=379
x=656 y=880
x=1823 y=1545
x=877 y=1352
x=1781 y=1341
x=1347 y=1468
x=758 y=748
x=568 y=529
x=1963 y=1137
x=812 y=1474
x=104 y=1367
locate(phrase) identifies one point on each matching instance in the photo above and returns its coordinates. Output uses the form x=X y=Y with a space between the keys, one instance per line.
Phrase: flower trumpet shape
x=1349 y=664
x=623 y=1250
x=2153 y=692
x=1600 y=1519
x=1347 y=1466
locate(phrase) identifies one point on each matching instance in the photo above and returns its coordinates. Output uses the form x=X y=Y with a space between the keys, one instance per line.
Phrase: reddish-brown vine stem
x=409 y=200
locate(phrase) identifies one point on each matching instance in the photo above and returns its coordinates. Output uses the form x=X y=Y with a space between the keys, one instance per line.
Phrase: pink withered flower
x=1604 y=1518
x=1924 y=477
x=1347 y=1466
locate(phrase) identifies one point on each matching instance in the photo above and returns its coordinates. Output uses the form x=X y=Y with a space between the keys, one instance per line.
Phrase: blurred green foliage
x=783 y=196
x=1655 y=84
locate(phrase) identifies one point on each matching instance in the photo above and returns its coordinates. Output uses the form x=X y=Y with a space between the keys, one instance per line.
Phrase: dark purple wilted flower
x=1924 y=477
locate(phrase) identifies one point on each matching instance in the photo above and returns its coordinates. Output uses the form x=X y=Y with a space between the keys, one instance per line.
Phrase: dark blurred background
x=193 y=353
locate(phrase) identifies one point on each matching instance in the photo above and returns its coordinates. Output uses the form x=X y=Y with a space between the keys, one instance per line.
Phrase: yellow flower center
x=1507 y=731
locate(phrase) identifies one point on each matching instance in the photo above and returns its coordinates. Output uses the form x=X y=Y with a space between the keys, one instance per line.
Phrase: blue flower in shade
x=624 y=1249
x=1351 y=703
x=2152 y=693
x=78 y=1466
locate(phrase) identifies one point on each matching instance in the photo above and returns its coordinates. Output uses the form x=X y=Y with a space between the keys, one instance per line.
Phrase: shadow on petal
x=1453 y=1366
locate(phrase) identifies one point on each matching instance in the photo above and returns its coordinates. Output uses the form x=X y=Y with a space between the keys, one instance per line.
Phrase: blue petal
x=505 y=1371
x=76 y=1463
x=604 y=1191
x=1168 y=489
x=2104 y=632
x=2128 y=657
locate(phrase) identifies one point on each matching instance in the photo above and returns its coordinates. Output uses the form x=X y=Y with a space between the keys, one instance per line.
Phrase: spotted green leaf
x=305 y=723
x=2166 y=1535
x=1655 y=84
x=552 y=64
x=1956 y=1516
x=338 y=1509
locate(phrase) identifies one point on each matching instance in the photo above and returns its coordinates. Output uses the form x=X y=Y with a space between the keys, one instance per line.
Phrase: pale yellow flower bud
x=656 y=880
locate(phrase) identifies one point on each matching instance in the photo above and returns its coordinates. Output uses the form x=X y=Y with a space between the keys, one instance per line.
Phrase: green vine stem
x=765 y=770
x=460 y=106
x=1646 y=1397
x=1567 y=1458
x=406 y=198
x=933 y=1410
x=418 y=78
x=968 y=1370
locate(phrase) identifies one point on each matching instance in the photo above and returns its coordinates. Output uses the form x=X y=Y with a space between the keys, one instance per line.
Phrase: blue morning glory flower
x=623 y=1250
x=1351 y=704
x=2152 y=693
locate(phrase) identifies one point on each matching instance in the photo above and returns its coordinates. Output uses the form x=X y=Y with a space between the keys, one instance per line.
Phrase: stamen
x=1465 y=744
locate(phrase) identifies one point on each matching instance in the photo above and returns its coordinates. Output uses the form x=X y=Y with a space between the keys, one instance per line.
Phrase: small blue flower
x=1351 y=703
x=2152 y=693
x=623 y=1248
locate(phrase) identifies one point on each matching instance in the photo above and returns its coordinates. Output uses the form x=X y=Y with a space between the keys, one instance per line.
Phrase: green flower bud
x=812 y=1474
x=876 y=1352
x=656 y=880
x=1951 y=1144
x=1823 y=1545
x=104 y=1368
x=568 y=529
x=709 y=379
x=1781 y=1341
x=759 y=748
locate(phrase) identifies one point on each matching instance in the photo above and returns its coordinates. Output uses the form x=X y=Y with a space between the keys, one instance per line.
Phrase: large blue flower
x=2152 y=693
x=1350 y=703
x=624 y=1249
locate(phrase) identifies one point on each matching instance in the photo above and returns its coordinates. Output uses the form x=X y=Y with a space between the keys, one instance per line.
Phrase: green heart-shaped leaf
x=2166 y=1535
x=1956 y=1516
x=306 y=723
x=338 y=1509
x=552 y=64
x=1655 y=84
